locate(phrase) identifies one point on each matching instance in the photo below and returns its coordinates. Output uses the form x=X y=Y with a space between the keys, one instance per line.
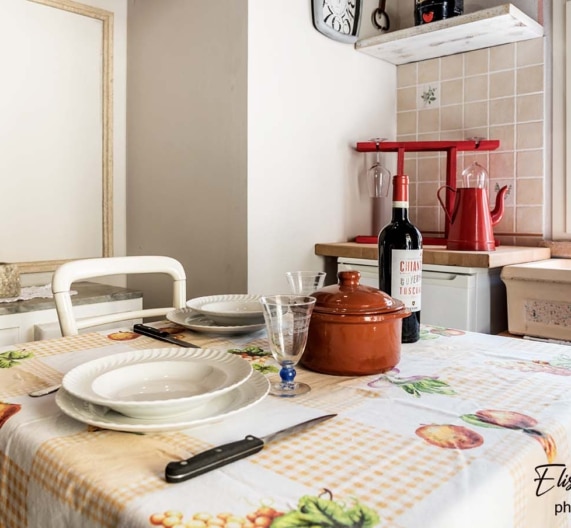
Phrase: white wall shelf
x=482 y=29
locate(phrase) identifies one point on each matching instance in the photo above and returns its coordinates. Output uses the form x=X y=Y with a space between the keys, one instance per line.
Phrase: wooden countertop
x=502 y=256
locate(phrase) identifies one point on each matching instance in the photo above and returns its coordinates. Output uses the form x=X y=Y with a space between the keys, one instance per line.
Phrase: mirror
x=57 y=163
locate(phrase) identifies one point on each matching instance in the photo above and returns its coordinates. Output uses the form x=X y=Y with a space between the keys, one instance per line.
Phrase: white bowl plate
x=198 y=322
x=157 y=382
x=230 y=309
x=246 y=395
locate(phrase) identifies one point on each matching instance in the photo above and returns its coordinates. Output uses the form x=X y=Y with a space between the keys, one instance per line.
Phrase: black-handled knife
x=228 y=453
x=161 y=335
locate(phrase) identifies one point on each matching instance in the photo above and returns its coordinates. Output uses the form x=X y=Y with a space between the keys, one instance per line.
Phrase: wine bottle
x=400 y=260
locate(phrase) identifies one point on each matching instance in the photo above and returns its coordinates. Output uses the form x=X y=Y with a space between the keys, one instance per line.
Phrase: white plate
x=239 y=399
x=200 y=323
x=230 y=309
x=144 y=383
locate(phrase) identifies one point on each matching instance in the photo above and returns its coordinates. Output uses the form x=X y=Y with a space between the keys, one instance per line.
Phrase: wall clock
x=338 y=19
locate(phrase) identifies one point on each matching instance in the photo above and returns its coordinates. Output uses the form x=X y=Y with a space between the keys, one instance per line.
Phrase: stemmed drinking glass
x=378 y=177
x=287 y=323
x=305 y=282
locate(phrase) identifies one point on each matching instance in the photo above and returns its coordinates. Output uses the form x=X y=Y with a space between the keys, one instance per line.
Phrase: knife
x=228 y=453
x=155 y=333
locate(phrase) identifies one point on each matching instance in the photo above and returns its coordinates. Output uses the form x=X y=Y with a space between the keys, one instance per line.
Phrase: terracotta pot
x=354 y=329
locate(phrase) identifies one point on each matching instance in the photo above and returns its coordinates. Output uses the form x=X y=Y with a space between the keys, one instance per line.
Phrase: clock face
x=338 y=19
x=340 y=15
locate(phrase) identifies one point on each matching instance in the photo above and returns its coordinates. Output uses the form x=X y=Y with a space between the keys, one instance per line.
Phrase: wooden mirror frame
x=106 y=18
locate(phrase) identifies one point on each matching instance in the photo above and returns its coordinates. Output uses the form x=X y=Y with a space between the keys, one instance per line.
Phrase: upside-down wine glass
x=378 y=177
x=287 y=323
x=305 y=282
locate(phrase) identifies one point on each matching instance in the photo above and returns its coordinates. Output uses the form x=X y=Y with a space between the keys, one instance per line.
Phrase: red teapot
x=471 y=220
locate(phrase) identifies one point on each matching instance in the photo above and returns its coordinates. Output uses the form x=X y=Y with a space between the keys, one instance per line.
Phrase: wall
x=242 y=122
x=187 y=173
x=310 y=99
x=495 y=93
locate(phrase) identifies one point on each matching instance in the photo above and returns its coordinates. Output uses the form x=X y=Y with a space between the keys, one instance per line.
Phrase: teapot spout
x=498 y=211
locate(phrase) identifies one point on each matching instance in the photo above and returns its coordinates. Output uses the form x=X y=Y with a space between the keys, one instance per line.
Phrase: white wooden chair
x=70 y=272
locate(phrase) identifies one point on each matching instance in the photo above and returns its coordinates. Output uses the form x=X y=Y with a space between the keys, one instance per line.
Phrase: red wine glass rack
x=450 y=147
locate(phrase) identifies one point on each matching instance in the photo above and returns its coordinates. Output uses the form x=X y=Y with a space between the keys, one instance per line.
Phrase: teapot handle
x=442 y=203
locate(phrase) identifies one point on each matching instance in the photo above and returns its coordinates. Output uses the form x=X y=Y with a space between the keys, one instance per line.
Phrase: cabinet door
x=9 y=335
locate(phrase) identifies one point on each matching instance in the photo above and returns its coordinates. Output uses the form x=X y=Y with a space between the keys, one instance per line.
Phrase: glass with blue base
x=287 y=323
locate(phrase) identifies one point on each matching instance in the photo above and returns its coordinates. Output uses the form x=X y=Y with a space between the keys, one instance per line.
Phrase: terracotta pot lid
x=350 y=297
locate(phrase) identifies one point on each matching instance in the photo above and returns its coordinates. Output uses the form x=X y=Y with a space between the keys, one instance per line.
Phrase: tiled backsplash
x=495 y=93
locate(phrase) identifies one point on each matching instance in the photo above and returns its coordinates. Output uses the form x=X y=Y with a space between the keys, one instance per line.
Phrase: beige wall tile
x=428 y=136
x=406 y=99
x=502 y=57
x=406 y=75
x=452 y=67
x=529 y=163
x=529 y=191
x=529 y=79
x=502 y=84
x=427 y=193
x=529 y=107
x=536 y=241
x=505 y=134
x=529 y=219
x=427 y=218
x=451 y=117
x=428 y=71
x=410 y=167
x=429 y=170
x=476 y=88
x=476 y=62
x=502 y=165
x=429 y=120
x=530 y=52
x=529 y=135
x=502 y=111
x=406 y=122
x=451 y=92
x=406 y=137
x=476 y=114
x=507 y=222
x=475 y=132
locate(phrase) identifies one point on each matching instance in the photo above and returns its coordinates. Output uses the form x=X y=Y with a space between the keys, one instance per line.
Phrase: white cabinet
x=464 y=298
x=24 y=321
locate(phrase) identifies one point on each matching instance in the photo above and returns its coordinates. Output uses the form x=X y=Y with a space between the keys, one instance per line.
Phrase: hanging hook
x=380 y=17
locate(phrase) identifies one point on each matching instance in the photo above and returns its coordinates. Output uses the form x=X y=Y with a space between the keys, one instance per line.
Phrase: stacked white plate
x=160 y=389
x=221 y=314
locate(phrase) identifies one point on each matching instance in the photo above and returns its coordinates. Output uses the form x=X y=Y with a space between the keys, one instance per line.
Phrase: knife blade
x=156 y=333
x=227 y=453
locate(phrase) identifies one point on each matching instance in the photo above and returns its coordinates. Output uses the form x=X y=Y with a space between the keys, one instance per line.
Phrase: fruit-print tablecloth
x=469 y=430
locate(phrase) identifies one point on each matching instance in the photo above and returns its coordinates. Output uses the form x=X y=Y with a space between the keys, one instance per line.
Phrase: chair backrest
x=70 y=272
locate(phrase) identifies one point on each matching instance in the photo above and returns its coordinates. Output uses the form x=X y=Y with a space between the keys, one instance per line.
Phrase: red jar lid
x=350 y=297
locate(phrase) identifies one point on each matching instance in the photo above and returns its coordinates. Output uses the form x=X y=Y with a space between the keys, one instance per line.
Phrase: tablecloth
x=469 y=430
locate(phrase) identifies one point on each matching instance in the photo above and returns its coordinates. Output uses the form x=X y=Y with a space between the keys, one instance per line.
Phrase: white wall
x=310 y=99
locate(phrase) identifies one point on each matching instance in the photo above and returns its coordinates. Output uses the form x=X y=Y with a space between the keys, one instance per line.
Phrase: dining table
x=467 y=430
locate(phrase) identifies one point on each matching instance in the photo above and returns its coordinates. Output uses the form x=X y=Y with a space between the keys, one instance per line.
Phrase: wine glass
x=305 y=282
x=378 y=177
x=287 y=323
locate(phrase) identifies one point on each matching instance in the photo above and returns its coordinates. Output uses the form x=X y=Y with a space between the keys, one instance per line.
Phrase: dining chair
x=70 y=272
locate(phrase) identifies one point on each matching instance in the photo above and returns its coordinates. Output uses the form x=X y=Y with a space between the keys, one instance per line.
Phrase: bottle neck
x=400 y=197
x=400 y=213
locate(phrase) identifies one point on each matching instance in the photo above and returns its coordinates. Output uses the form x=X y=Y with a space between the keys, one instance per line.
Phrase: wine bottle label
x=406 y=277
x=400 y=205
